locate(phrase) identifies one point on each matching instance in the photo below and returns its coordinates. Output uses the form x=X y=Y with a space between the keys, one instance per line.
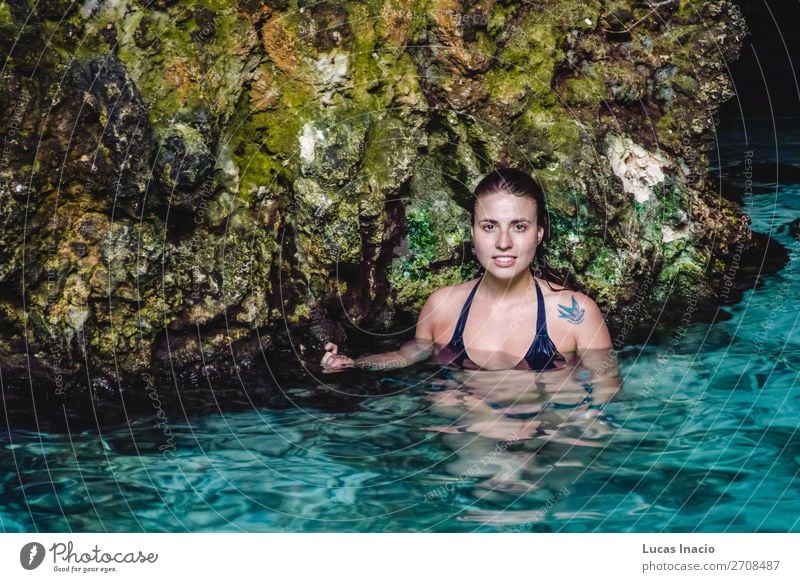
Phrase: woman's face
x=506 y=233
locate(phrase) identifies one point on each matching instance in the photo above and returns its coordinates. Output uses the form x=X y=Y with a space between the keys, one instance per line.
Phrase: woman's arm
x=416 y=350
x=591 y=332
x=600 y=368
x=594 y=348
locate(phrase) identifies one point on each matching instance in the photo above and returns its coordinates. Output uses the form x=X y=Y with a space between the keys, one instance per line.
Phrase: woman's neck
x=508 y=289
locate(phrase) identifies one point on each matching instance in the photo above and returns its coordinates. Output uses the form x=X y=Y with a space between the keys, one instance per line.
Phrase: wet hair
x=520 y=183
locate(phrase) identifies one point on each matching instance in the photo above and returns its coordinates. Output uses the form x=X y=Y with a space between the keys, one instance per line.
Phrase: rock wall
x=188 y=182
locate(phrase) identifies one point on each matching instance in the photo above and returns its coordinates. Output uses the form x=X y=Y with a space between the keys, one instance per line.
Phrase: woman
x=508 y=318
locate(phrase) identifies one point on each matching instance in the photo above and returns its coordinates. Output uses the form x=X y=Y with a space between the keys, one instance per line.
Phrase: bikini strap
x=541 y=315
x=542 y=355
x=458 y=334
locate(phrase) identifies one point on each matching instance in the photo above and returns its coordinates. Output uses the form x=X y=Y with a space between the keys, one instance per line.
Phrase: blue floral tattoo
x=572 y=314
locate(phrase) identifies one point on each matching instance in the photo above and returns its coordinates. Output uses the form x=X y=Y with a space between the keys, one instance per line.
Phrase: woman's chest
x=507 y=333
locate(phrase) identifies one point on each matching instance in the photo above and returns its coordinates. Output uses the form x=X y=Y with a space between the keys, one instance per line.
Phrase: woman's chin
x=502 y=272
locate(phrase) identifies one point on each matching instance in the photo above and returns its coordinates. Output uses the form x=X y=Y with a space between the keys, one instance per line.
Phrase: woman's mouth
x=504 y=260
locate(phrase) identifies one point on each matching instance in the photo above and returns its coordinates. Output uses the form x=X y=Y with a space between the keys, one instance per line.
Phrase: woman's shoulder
x=555 y=294
x=452 y=294
x=441 y=310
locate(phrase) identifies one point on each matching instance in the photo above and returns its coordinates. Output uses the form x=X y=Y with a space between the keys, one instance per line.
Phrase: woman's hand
x=333 y=359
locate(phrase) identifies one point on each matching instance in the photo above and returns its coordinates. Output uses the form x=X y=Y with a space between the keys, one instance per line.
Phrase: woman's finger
x=332 y=361
x=343 y=361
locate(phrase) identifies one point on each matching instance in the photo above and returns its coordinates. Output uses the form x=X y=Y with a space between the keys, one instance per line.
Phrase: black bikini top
x=541 y=355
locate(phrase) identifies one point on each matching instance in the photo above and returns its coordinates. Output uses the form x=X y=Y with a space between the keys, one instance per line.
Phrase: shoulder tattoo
x=573 y=314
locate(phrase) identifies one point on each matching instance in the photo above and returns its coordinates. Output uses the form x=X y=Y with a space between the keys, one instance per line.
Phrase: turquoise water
x=702 y=437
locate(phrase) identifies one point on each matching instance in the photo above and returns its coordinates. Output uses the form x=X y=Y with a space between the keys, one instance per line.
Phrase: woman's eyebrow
x=492 y=221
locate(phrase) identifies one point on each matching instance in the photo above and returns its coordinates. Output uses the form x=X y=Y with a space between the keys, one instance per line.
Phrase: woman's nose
x=503 y=240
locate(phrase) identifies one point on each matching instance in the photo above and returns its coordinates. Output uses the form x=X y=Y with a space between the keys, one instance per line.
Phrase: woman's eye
x=518 y=227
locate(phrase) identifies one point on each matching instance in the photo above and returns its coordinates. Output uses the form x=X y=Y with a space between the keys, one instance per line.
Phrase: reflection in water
x=516 y=433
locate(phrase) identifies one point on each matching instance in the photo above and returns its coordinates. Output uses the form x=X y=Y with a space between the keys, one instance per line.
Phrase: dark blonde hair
x=519 y=183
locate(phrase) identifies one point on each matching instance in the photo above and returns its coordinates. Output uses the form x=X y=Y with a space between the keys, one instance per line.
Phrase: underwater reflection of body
x=525 y=434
